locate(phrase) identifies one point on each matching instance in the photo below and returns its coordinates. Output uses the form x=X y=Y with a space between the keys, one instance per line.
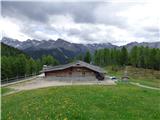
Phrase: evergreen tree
x=152 y=58
x=157 y=60
x=21 y=65
x=134 y=56
x=107 y=56
x=87 y=57
x=146 y=57
x=49 y=60
x=5 y=67
x=39 y=65
x=95 y=58
x=138 y=56
x=124 y=56
x=79 y=57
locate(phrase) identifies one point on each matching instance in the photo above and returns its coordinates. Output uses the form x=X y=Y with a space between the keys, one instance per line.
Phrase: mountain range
x=63 y=50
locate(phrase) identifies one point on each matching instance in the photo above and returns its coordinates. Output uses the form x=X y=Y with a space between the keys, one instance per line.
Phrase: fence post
x=7 y=79
x=16 y=78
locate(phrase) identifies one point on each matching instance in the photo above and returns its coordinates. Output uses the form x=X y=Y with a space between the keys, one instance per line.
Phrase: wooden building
x=78 y=70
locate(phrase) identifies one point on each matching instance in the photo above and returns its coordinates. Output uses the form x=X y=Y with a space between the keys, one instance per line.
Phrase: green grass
x=5 y=90
x=119 y=102
x=143 y=76
x=148 y=82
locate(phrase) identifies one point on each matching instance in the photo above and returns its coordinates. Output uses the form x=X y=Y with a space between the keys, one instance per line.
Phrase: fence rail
x=18 y=78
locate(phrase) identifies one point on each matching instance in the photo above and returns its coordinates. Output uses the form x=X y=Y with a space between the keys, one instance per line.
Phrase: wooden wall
x=71 y=72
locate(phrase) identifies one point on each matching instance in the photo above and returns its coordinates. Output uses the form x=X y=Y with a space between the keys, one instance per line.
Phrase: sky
x=95 y=21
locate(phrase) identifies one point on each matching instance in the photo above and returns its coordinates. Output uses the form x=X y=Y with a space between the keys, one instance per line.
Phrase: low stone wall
x=71 y=79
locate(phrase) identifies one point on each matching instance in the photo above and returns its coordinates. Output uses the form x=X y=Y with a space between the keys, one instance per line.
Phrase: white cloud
x=40 y=35
x=60 y=19
x=118 y=22
x=11 y=29
x=146 y=14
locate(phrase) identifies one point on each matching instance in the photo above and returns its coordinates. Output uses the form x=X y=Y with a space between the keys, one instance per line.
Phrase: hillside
x=7 y=50
x=129 y=46
x=60 y=54
x=15 y=63
x=143 y=76
x=60 y=49
x=61 y=43
x=63 y=50
x=50 y=44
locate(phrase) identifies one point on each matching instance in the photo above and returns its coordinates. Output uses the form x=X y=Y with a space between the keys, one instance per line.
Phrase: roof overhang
x=74 y=64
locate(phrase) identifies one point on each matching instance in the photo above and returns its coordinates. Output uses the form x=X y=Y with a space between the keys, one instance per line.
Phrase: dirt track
x=40 y=82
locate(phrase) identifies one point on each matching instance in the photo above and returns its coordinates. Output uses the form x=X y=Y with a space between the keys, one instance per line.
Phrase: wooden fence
x=17 y=78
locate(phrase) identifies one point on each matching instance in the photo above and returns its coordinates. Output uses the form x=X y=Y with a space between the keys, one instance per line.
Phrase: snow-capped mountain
x=62 y=49
x=129 y=46
x=50 y=44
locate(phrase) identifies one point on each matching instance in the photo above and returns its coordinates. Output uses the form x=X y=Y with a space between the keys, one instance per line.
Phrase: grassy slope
x=144 y=76
x=121 y=102
x=5 y=90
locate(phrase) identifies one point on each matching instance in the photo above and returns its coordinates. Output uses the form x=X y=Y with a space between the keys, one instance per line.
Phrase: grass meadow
x=94 y=102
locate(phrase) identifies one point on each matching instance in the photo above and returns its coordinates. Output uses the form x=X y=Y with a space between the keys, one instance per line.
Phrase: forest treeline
x=143 y=57
x=15 y=63
x=20 y=65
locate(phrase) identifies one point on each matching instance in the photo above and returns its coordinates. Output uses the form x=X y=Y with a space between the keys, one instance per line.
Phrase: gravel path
x=144 y=86
x=40 y=83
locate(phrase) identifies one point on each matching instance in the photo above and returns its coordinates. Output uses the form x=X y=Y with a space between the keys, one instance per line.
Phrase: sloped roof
x=73 y=64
